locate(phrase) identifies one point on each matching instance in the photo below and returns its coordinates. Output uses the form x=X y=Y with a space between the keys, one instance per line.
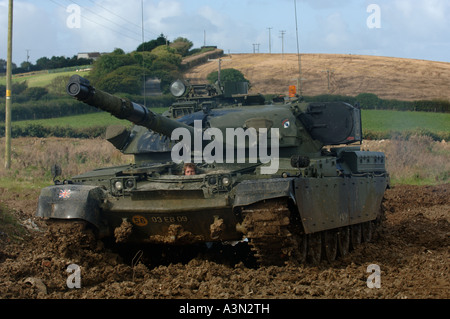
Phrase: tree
x=150 y=45
x=107 y=63
x=231 y=75
x=125 y=79
x=368 y=100
x=181 y=45
x=167 y=54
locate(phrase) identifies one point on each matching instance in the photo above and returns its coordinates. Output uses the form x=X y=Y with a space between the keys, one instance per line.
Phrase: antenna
x=143 y=54
x=298 y=53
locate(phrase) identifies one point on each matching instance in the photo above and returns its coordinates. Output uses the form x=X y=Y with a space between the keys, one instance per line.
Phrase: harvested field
x=344 y=74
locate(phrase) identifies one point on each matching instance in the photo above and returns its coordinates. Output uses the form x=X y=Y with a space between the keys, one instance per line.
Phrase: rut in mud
x=411 y=250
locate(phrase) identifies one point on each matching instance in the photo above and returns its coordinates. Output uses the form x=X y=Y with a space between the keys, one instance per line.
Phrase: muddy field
x=411 y=251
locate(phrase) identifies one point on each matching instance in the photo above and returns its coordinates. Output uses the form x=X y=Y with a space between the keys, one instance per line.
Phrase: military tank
x=285 y=176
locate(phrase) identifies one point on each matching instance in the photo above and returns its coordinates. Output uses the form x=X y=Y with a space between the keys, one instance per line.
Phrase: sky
x=417 y=29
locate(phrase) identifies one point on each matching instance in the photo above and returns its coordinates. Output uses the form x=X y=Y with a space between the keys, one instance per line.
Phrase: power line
x=99 y=24
x=126 y=20
x=109 y=20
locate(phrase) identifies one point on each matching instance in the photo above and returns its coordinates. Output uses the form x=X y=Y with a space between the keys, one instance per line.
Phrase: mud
x=411 y=251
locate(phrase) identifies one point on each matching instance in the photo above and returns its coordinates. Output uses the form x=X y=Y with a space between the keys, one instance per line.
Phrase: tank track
x=276 y=236
x=270 y=233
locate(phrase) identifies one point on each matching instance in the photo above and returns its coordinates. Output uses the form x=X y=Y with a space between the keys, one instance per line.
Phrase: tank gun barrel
x=122 y=108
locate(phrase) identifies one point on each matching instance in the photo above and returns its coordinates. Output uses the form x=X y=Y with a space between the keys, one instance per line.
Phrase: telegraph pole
x=8 y=89
x=329 y=72
x=282 y=41
x=270 y=41
x=220 y=68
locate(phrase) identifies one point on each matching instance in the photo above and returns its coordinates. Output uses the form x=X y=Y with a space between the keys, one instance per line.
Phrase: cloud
x=32 y=30
x=409 y=28
x=416 y=28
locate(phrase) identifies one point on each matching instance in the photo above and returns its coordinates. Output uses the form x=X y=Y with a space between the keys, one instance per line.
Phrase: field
x=388 y=78
x=82 y=121
x=40 y=78
x=388 y=123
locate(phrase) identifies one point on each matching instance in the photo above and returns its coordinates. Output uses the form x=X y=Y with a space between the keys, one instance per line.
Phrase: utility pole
x=28 y=58
x=270 y=41
x=282 y=41
x=220 y=68
x=255 y=47
x=8 y=89
x=329 y=72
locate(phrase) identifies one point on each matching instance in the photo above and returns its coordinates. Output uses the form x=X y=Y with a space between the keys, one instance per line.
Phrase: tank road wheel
x=355 y=235
x=367 y=230
x=315 y=247
x=343 y=241
x=302 y=253
x=330 y=241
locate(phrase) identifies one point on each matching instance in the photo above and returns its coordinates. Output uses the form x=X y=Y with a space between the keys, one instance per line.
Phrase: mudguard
x=330 y=203
x=252 y=191
x=71 y=202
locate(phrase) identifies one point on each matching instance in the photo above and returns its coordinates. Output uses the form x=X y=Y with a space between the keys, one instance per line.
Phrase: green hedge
x=36 y=130
x=59 y=107
x=46 y=109
x=369 y=101
x=382 y=135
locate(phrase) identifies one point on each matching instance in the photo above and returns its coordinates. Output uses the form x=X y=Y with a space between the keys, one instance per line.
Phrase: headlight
x=129 y=183
x=177 y=88
x=118 y=185
x=225 y=181
x=212 y=180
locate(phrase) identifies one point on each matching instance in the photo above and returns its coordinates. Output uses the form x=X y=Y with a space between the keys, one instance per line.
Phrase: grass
x=82 y=121
x=41 y=79
x=417 y=160
x=383 y=120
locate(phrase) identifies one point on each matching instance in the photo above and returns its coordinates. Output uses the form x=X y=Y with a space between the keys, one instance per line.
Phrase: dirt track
x=411 y=250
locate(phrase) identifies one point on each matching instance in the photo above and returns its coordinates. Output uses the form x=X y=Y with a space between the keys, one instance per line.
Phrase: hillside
x=389 y=78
